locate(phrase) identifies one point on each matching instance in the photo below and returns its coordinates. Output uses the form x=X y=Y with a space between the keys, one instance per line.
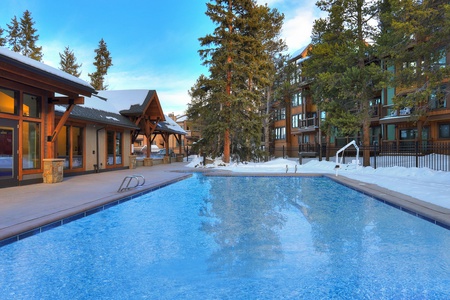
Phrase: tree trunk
x=267 y=126
x=366 y=143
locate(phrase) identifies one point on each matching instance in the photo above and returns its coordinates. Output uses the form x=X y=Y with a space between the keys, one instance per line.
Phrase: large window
x=31 y=145
x=280 y=133
x=280 y=114
x=408 y=134
x=296 y=121
x=114 y=147
x=444 y=131
x=9 y=100
x=31 y=106
x=70 y=146
x=297 y=99
x=439 y=97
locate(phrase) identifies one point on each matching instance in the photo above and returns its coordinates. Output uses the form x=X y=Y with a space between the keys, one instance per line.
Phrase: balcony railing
x=308 y=124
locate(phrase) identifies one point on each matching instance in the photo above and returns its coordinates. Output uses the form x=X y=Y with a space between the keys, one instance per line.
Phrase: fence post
x=417 y=153
x=319 y=151
x=375 y=156
x=283 y=151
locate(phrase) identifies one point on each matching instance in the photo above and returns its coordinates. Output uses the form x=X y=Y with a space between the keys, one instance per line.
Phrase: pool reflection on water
x=235 y=238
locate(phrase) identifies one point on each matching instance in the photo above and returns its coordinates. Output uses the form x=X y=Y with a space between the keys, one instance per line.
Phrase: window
x=297 y=99
x=306 y=139
x=280 y=133
x=114 y=147
x=444 y=131
x=31 y=145
x=31 y=106
x=438 y=98
x=439 y=60
x=280 y=114
x=410 y=65
x=9 y=100
x=295 y=121
x=70 y=146
x=408 y=134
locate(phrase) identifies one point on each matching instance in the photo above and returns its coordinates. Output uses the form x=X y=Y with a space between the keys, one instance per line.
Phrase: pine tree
x=68 y=62
x=414 y=42
x=345 y=74
x=2 y=39
x=28 y=37
x=238 y=60
x=103 y=62
x=14 y=35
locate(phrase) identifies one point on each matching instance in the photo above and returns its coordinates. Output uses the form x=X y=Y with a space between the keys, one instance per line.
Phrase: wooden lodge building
x=297 y=122
x=53 y=123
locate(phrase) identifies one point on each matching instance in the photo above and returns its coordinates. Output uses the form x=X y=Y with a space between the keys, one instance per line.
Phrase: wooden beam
x=66 y=100
x=61 y=122
x=34 y=81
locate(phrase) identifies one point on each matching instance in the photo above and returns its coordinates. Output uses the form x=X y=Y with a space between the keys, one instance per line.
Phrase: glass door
x=8 y=153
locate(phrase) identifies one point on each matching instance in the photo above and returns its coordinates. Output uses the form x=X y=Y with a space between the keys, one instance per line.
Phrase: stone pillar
x=148 y=162
x=166 y=160
x=133 y=162
x=53 y=170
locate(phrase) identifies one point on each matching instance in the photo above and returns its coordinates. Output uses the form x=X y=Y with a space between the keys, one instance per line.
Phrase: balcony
x=306 y=125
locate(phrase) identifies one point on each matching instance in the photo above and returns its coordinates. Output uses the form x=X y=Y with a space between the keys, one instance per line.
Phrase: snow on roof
x=171 y=126
x=299 y=51
x=116 y=100
x=124 y=99
x=97 y=115
x=182 y=118
x=26 y=61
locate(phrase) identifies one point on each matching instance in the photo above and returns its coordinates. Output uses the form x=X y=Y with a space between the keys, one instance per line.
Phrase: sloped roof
x=170 y=126
x=134 y=102
x=115 y=106
x=301 y=53
x=106 y=117
x=32 y=72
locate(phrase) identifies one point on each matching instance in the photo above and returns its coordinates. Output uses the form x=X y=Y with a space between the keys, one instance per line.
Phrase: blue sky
x=153 y=44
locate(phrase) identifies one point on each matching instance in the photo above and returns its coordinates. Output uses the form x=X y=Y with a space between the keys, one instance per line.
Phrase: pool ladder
x=140 y=180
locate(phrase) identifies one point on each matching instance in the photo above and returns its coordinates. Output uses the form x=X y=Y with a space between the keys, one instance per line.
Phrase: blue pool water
x=235 y=238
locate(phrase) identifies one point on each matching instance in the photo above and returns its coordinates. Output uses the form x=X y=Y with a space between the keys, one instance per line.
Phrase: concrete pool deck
x=24 y=209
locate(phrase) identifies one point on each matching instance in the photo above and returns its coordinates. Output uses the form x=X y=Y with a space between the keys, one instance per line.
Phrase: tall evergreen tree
x=238 y=62
x=414 y=41
x=28 y=37
x=68 y=62
x=14 y=35
x=103 y=62
x=2 y=39
x=345 y=78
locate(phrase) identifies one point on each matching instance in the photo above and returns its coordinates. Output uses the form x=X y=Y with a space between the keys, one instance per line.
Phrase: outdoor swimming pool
x=235 y=238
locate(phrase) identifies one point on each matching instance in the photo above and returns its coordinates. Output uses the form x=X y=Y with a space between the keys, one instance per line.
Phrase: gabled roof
x=135 y=102
x=19 y=68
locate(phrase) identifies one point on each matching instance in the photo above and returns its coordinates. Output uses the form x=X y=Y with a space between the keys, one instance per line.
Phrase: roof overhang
x=18 y=68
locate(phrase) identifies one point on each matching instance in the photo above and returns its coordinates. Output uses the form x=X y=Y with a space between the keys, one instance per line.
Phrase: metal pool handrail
x=127 y=180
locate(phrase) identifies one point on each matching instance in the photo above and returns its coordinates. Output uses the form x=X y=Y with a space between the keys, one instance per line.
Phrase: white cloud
x=172 y=88
x=269 y=3
x=298 y=25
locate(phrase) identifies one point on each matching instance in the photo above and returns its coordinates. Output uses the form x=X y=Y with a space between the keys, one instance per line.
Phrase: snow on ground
x=421 y=183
